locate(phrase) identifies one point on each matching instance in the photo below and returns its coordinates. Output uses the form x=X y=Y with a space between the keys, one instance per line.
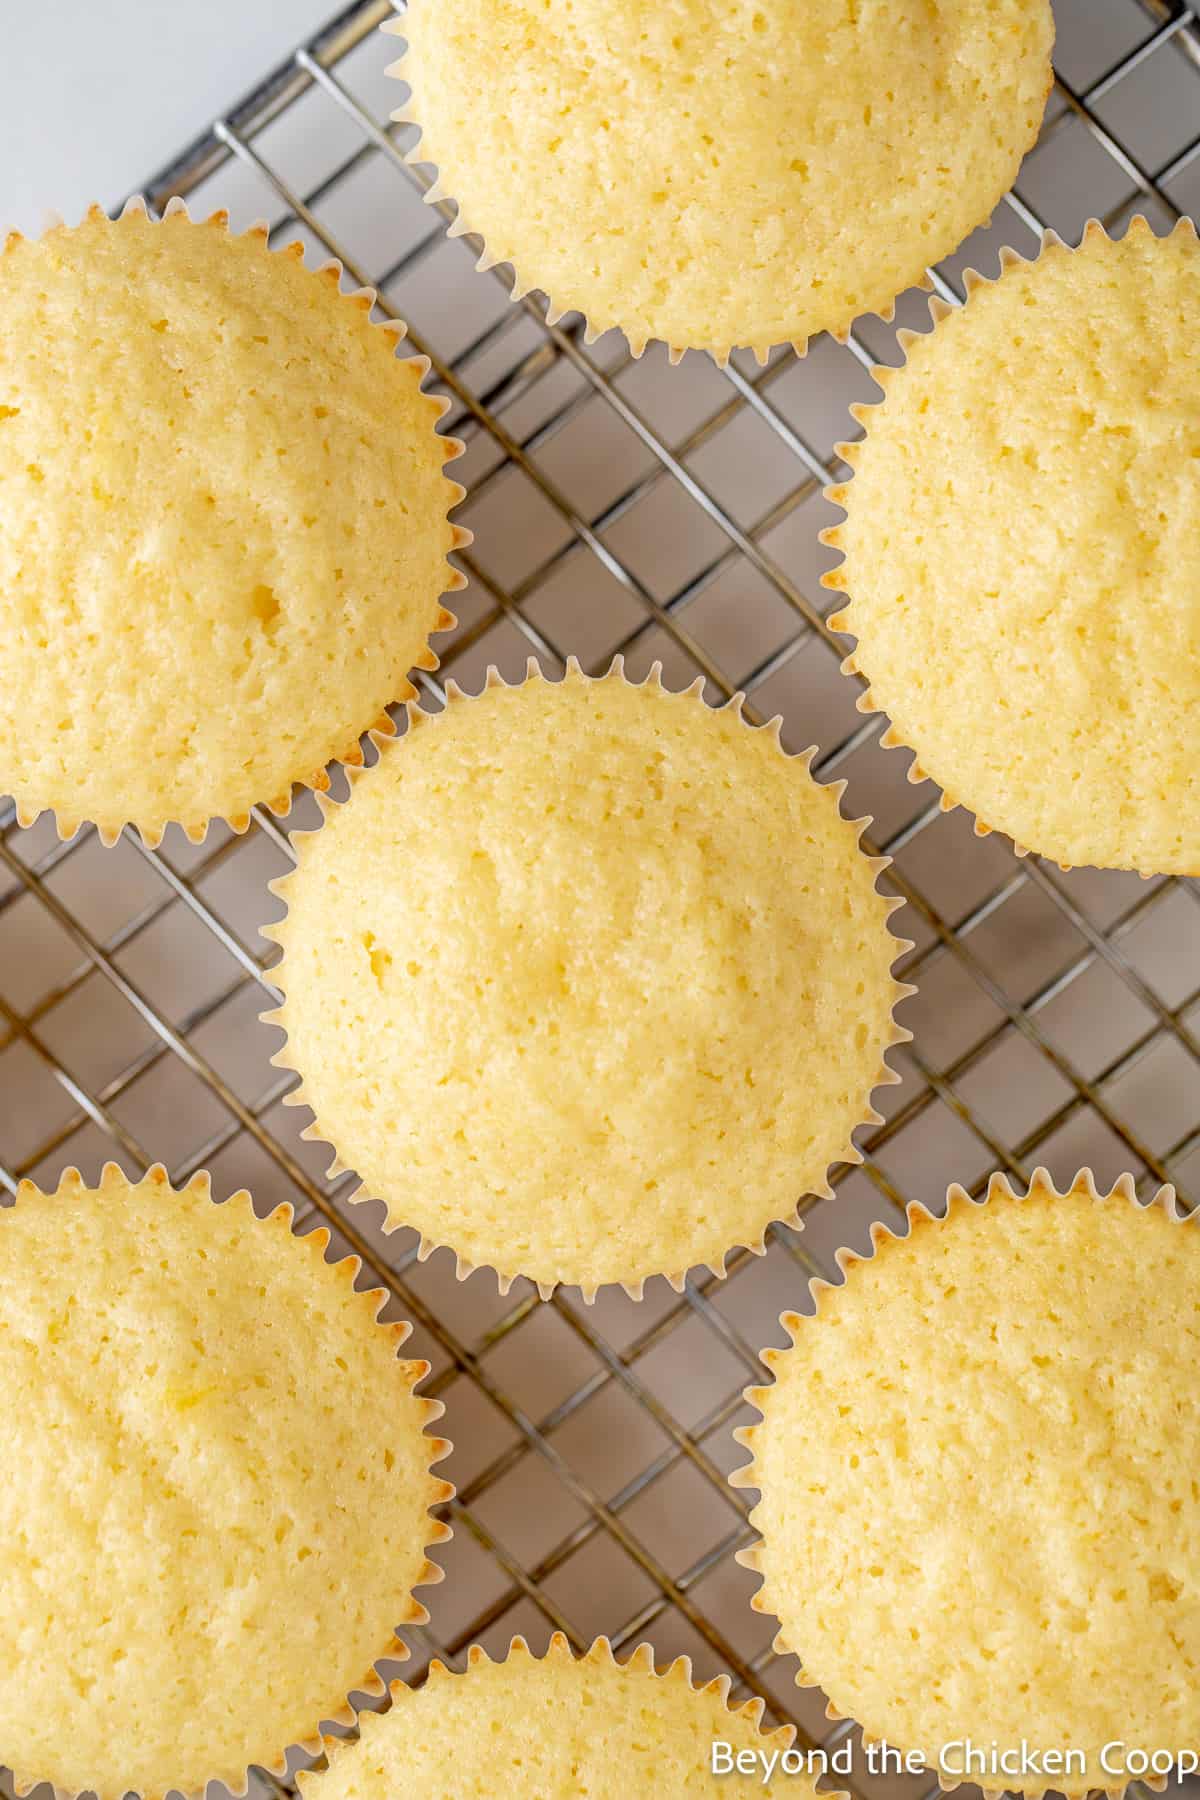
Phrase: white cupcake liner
x=362 y=300
x=919 y=1217
x=842 y=621
x=886 y=1076
x=340 y=1712
x=599 y=1653
x=558 y=306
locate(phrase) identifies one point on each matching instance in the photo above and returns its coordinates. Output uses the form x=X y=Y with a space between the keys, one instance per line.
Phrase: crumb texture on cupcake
x=558 y=1728
x=724 y=172
x=1022 y=552
x=977 y=1467
x=587 y=980
x=224 y=529
x=216 y=1487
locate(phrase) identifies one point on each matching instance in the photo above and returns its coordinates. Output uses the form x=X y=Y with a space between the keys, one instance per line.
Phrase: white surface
x=96 y=94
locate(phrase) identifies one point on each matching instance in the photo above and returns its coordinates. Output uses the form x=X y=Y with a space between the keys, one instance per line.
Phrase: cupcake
x=623 y=1008
x=562 y=1728
x=224 y=531
x=977 y=1468
x=216 y=1490
x=1022 y=552
x=714 y=174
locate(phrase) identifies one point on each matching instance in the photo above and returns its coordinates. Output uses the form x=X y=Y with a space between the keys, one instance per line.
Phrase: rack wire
x=659 y=513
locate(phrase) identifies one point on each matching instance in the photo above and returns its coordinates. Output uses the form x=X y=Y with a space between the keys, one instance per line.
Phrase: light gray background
x=94 y=97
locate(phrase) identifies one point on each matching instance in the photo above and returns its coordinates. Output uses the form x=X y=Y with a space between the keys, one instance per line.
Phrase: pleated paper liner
x=614 y=1698
x=268 y=1753
x=919 y=1220
x=340 y=743
x=875 y=297
x=583 y=1270
x=558 y=306
x=841 y=495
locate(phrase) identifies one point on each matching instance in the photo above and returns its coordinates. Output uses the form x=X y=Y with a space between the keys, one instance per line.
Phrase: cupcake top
x=587 y=980
x=224 y=532
x=1022 y=552
x=977 y=1465
x=216 y=1489
x=560 y=1728
x=715 y=174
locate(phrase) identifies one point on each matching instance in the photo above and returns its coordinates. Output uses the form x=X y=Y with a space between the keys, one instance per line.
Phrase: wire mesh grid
x=671 y=515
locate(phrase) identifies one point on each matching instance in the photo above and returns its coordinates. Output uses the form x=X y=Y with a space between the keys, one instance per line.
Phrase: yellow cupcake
x=587 y=980
x=1022 y=552
x=724 y=172
x=216 y=1488
x=561 y=1728
x=223 y=530
x=979 y=1506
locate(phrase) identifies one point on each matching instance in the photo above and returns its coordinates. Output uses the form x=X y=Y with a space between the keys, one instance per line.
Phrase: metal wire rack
x=662 y=513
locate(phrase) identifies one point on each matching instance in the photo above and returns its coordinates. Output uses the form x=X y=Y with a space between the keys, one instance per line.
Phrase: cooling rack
x=625 y=507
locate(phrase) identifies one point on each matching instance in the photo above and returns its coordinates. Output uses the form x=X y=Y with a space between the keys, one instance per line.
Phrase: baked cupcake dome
x=216 y=1492
x=625 y=1006
x=717 y=174
x=977 y=1473
x=224 y=530
x=559 y=1728
x=1022 y=552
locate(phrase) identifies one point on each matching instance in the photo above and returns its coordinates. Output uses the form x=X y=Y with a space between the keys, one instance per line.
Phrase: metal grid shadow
x=1059 y=1015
